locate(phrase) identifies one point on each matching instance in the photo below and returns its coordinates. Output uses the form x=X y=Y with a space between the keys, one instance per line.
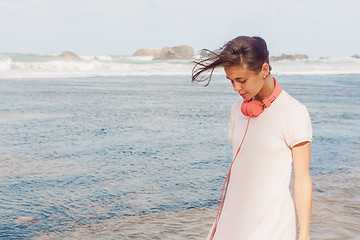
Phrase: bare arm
x=302 y=187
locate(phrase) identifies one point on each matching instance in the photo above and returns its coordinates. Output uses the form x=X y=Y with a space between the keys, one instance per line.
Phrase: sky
x=317 y=28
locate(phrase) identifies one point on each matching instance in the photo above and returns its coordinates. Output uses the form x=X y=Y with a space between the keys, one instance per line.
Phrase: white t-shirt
x=258 y=203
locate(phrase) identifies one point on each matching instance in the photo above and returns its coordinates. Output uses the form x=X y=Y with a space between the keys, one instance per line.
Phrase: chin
x=246 y=98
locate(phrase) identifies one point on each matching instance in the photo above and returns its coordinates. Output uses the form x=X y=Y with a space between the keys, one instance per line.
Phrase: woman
x=270 y=132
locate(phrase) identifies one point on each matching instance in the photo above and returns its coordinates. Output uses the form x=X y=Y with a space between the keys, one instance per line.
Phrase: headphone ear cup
x=245 y=108
x=252 y=108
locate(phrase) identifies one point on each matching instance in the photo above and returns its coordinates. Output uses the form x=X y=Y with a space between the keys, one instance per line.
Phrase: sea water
x=144 y=156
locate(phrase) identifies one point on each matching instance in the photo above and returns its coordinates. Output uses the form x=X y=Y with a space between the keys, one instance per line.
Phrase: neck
x=267 y=88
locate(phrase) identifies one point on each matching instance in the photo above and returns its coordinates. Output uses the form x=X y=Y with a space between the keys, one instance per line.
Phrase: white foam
x=316 y=66
x=5 y=63
x=140 y=58
x=104 y=58
x=87 y=58
x=56 y=67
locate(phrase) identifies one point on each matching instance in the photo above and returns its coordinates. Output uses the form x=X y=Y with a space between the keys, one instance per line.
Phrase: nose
x=237 y=87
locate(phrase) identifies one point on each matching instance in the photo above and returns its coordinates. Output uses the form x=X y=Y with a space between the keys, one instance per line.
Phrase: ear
x=265 y=69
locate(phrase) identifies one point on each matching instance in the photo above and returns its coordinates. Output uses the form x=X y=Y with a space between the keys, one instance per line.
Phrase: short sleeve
x=299 y=127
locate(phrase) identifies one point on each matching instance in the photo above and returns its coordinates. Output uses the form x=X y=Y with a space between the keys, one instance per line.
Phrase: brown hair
x=249 y=52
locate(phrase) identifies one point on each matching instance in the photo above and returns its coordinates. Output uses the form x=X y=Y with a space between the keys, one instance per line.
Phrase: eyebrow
x=238 y=78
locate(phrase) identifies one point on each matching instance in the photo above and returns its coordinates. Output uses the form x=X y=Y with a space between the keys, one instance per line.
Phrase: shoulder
x=297 y=125
x=289 y=104
x=287 y=98
x=237 y=105
x=290 y=111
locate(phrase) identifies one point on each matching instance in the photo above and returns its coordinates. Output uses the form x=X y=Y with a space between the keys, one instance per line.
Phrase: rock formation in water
x=356 y=56
x=288 y=57
x=70 y=55
x=166 y=53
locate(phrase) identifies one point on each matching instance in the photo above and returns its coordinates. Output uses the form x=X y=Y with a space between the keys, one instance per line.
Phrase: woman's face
x=246 y=82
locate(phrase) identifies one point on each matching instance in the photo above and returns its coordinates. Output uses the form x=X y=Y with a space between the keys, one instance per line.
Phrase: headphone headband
x=276 y=92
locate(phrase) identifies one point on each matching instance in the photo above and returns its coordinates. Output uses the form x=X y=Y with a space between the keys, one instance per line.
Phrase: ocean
x=121 y=147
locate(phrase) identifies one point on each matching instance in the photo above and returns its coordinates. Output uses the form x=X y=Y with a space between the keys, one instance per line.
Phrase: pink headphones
x=254 y=108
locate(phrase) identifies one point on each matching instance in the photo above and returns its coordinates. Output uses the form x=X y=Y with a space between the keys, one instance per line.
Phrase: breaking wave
x=55 y=66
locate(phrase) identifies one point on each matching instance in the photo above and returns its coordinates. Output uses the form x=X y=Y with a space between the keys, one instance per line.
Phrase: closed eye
x=237 y=80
